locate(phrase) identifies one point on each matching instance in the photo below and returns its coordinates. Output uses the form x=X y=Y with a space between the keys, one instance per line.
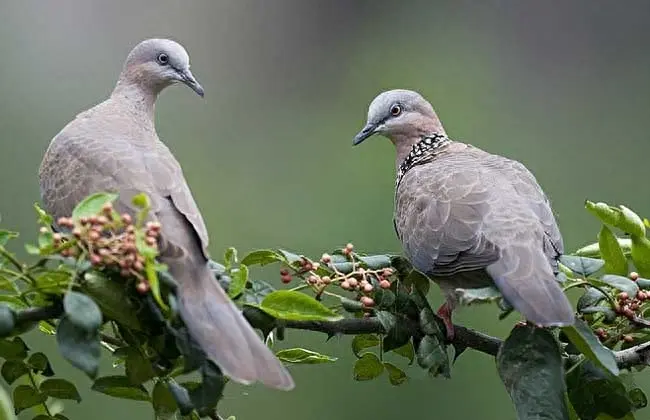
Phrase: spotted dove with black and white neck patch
x=468 y=218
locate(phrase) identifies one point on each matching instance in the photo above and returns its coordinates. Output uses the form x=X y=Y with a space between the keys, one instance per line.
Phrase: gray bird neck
x=137 y=100
x=420 y=152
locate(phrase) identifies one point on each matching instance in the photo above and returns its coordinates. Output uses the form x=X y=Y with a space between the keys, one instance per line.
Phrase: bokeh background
x=562 y=86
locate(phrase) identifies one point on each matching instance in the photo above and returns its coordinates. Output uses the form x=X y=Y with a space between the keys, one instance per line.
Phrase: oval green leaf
x=13 y=369
x=641 y=254
x=82 y=311
x=367 y=367
x=295 y=306
x=364 y=341
x=593 y=250
x=79 y=347
x=92 y=205
x=61 y=389
x=239 y=278
x=611 y=252
x=262 y=257
x=582 y=266
x=26 y=397
x=7 y=320
x=530 y=365
x=621 y=283
x=587 y=343
x=630 y=222
x=303 y=356
x=120 y=387
x=163 y=402
x=396 y=376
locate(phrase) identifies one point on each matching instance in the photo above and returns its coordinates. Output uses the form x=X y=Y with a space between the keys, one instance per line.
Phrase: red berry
x=326 y=279
x=623 y=296
x=284 y=272
x=387 y=272
x=366 y=301
x=353 y=282
x=286 y=279
x=143 y=287
x=367 y=288
x=127 y=219
x=345 y=284
x=384 y=284
x=326 y=259
x=629 y=313
x=95 y=259
x=628 y=338
x=634 y=276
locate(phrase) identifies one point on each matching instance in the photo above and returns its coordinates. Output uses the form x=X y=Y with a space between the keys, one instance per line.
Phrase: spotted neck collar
x=422 y=152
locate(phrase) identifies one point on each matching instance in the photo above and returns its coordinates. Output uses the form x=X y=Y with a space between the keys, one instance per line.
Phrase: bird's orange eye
x=395 y=110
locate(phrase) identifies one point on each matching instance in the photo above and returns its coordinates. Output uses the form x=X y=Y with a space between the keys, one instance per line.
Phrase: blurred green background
x=562 y=86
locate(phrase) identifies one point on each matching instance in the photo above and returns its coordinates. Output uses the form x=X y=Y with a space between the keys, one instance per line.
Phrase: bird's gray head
x=400 y=115
x=158 y=63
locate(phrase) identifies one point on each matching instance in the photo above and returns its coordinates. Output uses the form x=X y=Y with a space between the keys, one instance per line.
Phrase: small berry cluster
x=108 y=240
x=359 y=280
x=627 y=306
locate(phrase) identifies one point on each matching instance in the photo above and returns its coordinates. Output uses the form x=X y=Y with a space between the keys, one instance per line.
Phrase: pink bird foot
x=444 y=312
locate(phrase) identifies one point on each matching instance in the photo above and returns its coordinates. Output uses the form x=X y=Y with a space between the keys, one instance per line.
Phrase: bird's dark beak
x=188 y=78
x=368 y=130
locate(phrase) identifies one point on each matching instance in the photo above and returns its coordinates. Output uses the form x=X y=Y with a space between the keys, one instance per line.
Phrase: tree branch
x=464 y=337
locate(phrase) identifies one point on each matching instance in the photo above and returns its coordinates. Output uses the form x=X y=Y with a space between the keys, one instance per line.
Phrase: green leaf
x=7 y=320
x=593 y=250
x=141 y=201
x=429 y=323
x=82 y=311
x=230 y=257
x=92 y=205
x=38 y=362
x=43 y=218
x=582 y=266
x=261 y=257
x=530 y=365
x=406 y=351
x=367 y=367
x=396 y=376
x=120 y=387
x=239 y=279
x=13 y=349
x=587 y=343
x=6 y=407
x=295 y=306
x=482 y=295
x=432 y=356
x=163 y=402
x=12 y=370
x=113 y=299
x=604 y=212
x=594 y=393
x=630 y=222
x=25 y=397
x=641 y=254
x=79 y=347
x=6 y=235
x=611 y=252
x=258 y=290
x=384 y=298
x=138 y=369
x=61 y=389
x=364 y=341
x=303 y=356
x=387 y=320
x=591 y=297
x=624 y=284
x=32 y=249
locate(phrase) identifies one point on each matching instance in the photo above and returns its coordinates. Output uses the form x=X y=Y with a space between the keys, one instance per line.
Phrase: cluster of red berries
x=626 y=306
x=354 y=281
x=109 y=240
